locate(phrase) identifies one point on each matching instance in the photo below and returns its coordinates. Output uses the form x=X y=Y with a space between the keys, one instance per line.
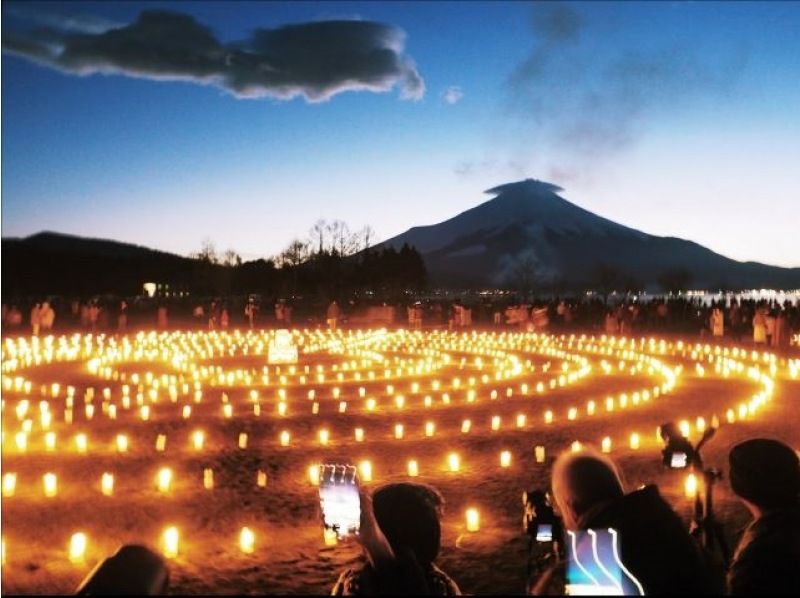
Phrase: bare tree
x=366 y=234
x=295 y=254
x=231 y=258
x=317 y=234
x=207 y=252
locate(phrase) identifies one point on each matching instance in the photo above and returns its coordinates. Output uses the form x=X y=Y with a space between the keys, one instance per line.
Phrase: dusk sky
x=220 y=122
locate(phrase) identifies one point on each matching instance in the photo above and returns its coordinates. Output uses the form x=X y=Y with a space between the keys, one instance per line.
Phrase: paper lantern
x=324 y=437
x=122 y=443
x=605 y=445
x=261 y=479
x=365 y=471
x=465 y=426
x=521 y=420
x=398 y=431
x=690 y=486
x=242 y=440
x=107 y=484
x=539 y=454
x=473 y=520
x=9 y=484
x=359 y=434
x=161 y=443
x=453 y=462
x=430 y=427
x=505 y=459
x=495 y=422
x=285 y=438
x=247 y=540
x=208 y=478
x=21 y=441
x=548 y=417
x=634 y=441
x=164 y=479
x=77 y=547
x=413 y=468
x=50 y=441
x=50 y=482
x=170 y=540
x=198 y=438
x=313 y=475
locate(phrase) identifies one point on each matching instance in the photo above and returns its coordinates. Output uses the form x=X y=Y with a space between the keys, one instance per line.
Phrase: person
x=161 y=316
x=759 y=327
x=717 y=322
x=36 y=318
x=93 y=314
x=47 y=316
x=224 y=319
x=122 y=317
x=765 y=475
x=333 y=315
x=675 y=442
x=655 y=546
x=401 y=535
x=250 y=313
x=780 y=338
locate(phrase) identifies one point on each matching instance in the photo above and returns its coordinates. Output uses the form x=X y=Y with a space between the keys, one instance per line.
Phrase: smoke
x=576 y=102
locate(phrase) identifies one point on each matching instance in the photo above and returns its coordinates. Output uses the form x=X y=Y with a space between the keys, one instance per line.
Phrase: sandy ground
x=290 y=556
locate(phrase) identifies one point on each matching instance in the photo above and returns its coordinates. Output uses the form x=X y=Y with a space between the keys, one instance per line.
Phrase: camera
x=540 y=520
x=678 y=452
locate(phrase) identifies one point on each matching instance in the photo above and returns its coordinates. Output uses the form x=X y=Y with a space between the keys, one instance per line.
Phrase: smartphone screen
x=544 y=532
x=678 y=461
x=594 y=567
x=339 y=500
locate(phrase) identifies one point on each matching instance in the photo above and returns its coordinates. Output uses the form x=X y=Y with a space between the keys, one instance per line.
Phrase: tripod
x=704 y=524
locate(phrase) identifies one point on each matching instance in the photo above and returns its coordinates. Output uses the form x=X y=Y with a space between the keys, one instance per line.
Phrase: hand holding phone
x=339 y=499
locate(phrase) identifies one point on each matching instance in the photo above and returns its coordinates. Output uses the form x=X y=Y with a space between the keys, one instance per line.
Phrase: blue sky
x=675 y=118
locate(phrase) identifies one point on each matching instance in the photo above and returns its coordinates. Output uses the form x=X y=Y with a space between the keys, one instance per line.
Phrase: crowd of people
x=766 y=323
x=401 y=531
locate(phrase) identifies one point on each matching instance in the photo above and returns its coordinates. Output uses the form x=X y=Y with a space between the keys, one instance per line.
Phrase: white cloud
x=452 y=95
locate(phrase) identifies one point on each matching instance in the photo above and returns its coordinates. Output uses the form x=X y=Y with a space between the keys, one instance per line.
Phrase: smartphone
x=544 y=532
x=339 y=500
x=678 y=461
x=594 y=567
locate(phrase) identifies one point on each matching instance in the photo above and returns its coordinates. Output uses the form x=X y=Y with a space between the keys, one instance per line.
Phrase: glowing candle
x=186 y=412
x=89 y=410
x=261 y=479
x=342 y=406
x=242 y=440
x=170 y=542
x=282 y=409
x=285 y=438
x=81 y=443
x=429 y=429
x=107 y=484
x=122 y=443
x=539 y=454
x=198 y=437
x=313 y=475
x=453 y=462
x=324 y=437
x=634 y=441
x=700 y=424
x=413 y=468
x=465 y=426
x=495 y=422
x=315 y=408
x=247 y=540
x=683 y=426
x=690 y=486
x=365 y=470
x=505 y=459
x=9 y=484
x=77 y=548
x=371 y=404
x=208 y=478
x=398 y=431
x=50 y=483
x=572 y=413
x=21 y=440
x=576 y=447
x=164 y=479
x=521 y=420
x=330 y=537
x=400 y=401
x=359 y=434
x=227 y=410
x=605 y=445
x=473 y=520
x=161 y=442
x=144 y=412
x=257 y=410
x=590 y=407
x=548 y=417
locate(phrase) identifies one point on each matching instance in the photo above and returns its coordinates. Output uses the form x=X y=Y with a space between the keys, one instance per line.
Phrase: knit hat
x=765 y=472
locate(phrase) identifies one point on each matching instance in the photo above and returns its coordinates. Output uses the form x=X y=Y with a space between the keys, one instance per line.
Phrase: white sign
x=282 y=349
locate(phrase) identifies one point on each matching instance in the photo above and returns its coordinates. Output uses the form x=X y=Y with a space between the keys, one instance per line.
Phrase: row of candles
x=165 y=476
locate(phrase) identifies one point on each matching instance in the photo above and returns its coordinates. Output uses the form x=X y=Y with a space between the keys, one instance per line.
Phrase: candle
x=324 y=437
x=605 y=445
x=365 y=470
x=690 y=486
x=539 y=454
x=77 y=548
x=453 y=462
x=495 y=422
x=285 y=438
x=429 y=429
x=198 y=437
x=164 y=479
x=122 y=443
x=247 y=540
x=50 y=483
x=261 y=479
x=107 y=484
x=413 y=468
x=505 y=459
x=313 y=475
x=170 y=542
x=9 y=484
x=473 y=520
x=242 y=440
x=634 y=441
x=208 y=478
x=465 y=426
x=398 y=431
